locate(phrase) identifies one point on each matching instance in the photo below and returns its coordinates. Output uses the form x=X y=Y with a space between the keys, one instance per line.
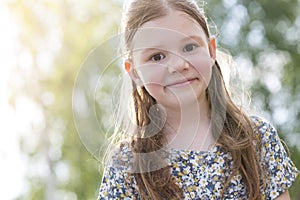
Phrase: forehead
x=167 y=29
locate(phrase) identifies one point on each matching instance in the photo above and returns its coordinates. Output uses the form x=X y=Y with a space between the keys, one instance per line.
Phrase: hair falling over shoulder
x=230 y=124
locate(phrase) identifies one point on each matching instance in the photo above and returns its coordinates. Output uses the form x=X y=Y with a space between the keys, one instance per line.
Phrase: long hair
x=230 y=125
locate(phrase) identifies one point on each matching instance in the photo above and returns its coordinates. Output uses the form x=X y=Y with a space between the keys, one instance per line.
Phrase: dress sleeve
x=117 y=182
x=280 y=171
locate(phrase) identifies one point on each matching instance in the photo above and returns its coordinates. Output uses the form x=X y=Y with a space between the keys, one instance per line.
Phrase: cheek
x=152 y=77
x=151 y=74
x=203 y=65
x=156 y=91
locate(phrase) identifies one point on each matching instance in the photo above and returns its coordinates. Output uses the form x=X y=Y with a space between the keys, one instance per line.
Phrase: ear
x=213 y=48
x=128 y=65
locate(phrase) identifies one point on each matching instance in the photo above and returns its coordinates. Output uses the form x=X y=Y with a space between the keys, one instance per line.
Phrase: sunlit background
x=13 y=165
x=42 y=46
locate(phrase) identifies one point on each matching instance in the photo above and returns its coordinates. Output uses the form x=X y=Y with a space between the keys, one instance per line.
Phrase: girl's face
x=172 y=57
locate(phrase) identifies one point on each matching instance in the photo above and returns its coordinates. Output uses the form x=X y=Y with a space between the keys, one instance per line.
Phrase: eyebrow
x=145 y=50
x=195 y=38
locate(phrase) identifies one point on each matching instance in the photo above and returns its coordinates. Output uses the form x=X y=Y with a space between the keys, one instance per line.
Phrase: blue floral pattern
x=202 y=175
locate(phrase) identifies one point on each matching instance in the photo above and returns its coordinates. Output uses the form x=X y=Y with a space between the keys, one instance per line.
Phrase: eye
x=157 y=57
x=190 y=47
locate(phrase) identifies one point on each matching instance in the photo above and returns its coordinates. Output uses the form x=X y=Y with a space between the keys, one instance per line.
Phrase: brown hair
x=229 y=123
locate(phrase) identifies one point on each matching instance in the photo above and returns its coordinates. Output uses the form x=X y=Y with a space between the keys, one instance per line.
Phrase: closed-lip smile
x=181 y=82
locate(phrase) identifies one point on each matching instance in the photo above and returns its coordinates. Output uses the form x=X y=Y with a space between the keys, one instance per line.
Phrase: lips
x=181 y=83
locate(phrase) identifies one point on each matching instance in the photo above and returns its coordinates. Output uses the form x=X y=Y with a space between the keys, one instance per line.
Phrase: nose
x=177 y=64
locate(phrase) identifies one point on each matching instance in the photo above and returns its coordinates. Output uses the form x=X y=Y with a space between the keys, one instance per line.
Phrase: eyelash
x=162 y=56
x=194 y=45
x=157 y=54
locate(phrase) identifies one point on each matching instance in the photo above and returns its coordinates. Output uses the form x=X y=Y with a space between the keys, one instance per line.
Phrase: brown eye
x=190 y=47
x=158 y=57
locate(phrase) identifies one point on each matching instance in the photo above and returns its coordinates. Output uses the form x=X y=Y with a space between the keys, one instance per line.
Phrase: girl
x=187 y=139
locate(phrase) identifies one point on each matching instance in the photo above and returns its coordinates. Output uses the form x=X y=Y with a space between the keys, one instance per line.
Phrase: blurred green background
x=44 y=43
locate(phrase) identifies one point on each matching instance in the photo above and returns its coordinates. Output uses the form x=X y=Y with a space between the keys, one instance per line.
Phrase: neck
x=189 y=126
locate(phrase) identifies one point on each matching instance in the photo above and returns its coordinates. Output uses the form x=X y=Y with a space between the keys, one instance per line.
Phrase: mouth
x=182 y=83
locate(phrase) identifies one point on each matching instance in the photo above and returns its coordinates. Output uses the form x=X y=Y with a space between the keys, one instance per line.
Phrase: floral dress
x=202 y=175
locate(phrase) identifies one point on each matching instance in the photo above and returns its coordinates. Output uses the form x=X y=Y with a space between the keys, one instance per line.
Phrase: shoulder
x=120 y=157
x=269 y=144
x=260 y=123
x=264 y=130
x=117 y=180
x=267 y=138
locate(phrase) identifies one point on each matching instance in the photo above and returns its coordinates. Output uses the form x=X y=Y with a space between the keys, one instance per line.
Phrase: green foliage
x=59 y=166
x=278 y=23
